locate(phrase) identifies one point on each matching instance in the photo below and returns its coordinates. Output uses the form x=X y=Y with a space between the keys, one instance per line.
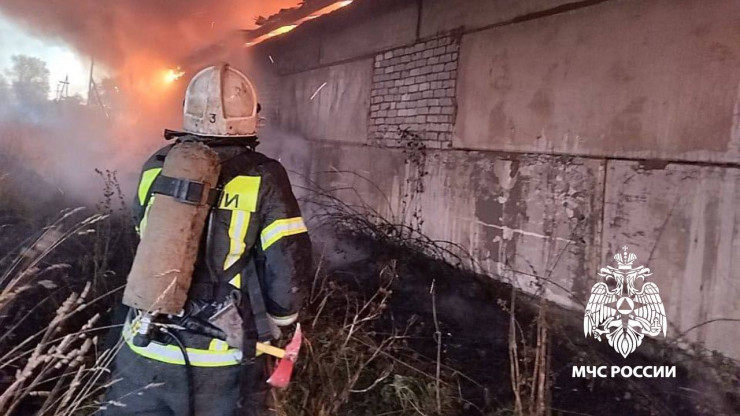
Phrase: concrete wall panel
x=395 y=26
x=338 y=111
x=444 y=15
x=525 y=219
x=360 y=177
x=529 y=219
x=646 y=79
x=682 y=222
x=289 y=56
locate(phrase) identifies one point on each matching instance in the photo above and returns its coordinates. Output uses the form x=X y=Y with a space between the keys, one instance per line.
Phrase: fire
x=328 y=9
x=283 y=29
x=287 y=28
x=173 y=75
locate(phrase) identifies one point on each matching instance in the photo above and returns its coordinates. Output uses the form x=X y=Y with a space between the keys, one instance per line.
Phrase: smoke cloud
x=122 y=32
x=136 y=42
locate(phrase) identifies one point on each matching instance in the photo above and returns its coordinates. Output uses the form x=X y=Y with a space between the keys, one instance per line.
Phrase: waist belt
x=218 y=353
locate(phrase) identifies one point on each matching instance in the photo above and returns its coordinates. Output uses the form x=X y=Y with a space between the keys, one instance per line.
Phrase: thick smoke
x=121 y=33
x=136 y=42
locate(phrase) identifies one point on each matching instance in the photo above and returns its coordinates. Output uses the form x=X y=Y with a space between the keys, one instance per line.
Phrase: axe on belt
x=229 y=322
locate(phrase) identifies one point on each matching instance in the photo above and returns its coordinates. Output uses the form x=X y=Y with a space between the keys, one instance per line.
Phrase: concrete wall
x=577 y=127
x=440 y=16
x=359 y=36
x=683 y=221
x=328 y=103
x=647 y=79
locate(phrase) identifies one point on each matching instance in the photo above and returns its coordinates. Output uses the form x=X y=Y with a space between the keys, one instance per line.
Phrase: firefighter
x=253 y=250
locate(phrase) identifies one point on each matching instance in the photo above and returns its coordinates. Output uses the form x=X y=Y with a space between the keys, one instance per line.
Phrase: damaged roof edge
x=289 y=19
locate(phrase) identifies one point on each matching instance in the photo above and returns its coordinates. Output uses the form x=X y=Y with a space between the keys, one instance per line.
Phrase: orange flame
x=173 y=75
x=287 y=28
x=281 y=30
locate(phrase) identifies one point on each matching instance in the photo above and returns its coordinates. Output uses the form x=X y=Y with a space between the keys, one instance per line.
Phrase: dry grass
x=529 y=364
x=348 y=367
x=55 y=295
x=59 y=367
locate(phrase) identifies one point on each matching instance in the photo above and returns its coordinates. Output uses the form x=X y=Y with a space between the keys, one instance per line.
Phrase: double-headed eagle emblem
x=622 y=310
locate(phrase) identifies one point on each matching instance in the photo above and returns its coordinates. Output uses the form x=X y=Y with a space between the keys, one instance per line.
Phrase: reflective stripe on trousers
x=171 y=354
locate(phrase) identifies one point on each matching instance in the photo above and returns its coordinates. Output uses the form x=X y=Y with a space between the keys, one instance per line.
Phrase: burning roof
x=288 y=19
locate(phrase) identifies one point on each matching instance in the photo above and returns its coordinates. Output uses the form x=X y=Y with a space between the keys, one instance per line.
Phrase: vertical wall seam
x=419 y=11
x=368 y=107
x=602 y=231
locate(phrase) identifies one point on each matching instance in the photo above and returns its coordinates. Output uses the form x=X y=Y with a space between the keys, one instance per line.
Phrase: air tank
x=162 y=271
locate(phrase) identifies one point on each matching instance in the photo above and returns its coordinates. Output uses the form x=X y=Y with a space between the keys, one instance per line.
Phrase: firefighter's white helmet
x=220 y=101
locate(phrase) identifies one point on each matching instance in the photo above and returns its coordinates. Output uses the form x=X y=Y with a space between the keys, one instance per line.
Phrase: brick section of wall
x=414 y=89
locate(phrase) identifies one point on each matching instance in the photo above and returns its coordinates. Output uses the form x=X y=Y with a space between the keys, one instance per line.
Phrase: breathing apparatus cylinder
x=162 y=271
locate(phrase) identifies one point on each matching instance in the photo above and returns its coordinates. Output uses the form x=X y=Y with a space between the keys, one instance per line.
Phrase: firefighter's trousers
x=147 y=387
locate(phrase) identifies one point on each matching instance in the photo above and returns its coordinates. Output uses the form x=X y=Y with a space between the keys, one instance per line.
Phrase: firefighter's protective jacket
x=255 y=226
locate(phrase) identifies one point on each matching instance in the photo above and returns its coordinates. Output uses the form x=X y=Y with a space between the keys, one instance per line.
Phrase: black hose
x=188 y=370
x=194 y=326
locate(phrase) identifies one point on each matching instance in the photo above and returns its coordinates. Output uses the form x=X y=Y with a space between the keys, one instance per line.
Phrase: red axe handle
x=280 y=378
